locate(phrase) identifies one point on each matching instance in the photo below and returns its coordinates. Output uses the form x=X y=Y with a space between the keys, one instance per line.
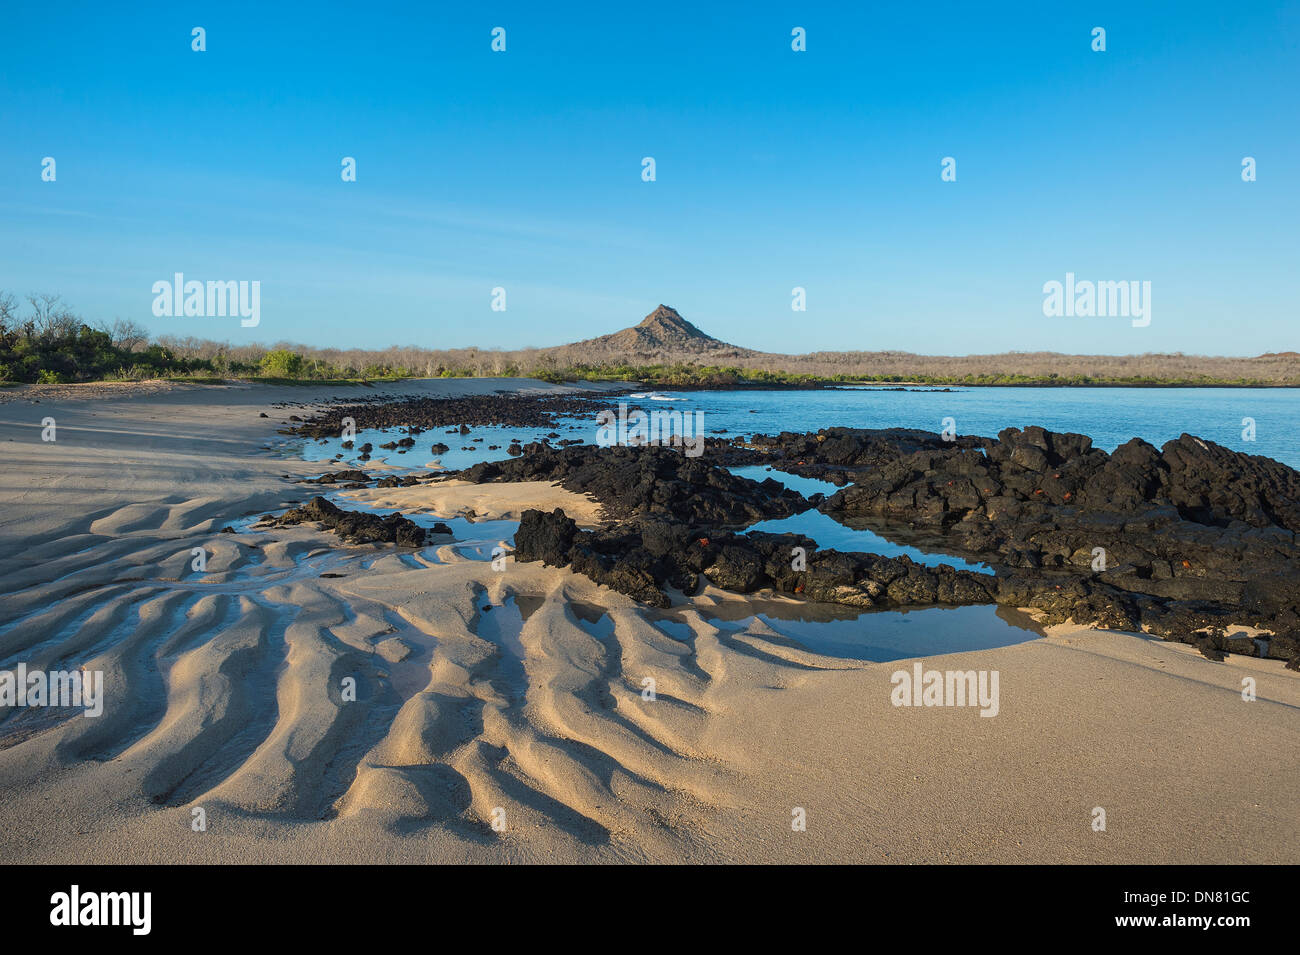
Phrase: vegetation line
x=49 y=343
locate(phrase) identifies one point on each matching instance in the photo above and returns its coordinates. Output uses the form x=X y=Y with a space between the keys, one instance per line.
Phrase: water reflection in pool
x=851 y=634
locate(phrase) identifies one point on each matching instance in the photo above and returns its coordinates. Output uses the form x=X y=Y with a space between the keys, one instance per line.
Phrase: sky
x=774 y=169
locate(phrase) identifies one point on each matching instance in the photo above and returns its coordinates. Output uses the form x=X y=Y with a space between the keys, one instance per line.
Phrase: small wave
x=655 y=396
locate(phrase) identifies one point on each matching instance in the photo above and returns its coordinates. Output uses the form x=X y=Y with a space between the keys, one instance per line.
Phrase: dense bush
x=51 y=345
x=282 y=363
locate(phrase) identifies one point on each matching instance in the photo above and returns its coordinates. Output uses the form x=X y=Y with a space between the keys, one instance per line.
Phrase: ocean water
x=464 y=451
x=804 y=485
x=1110 y=416
x=831 y=534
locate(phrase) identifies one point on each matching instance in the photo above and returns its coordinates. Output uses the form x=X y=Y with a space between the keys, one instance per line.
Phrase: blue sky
x=775 y=169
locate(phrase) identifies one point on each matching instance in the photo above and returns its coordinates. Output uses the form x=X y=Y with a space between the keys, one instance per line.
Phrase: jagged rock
x=1194 y=538
x=631 y=483
x=545 y=537
x=357 y=526
x=641 y=559
x=334 y=477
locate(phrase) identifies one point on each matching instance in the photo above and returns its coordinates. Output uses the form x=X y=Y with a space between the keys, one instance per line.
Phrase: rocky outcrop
x=1026 y=475
x=633 y=483
x=1191 y=522
x=1183 y=542
x=359 y=527
x=643 y=559
x=339 y=477
x=838 y=455
x=415 y=415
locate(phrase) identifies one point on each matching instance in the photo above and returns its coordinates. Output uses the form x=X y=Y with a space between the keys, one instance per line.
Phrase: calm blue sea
x=1110 y=416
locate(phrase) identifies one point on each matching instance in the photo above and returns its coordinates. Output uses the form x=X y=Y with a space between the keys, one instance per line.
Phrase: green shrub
x=282 y=363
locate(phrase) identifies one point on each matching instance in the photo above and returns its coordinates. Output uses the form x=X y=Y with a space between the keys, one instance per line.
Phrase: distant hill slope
x=663 y=335
x=653 y=350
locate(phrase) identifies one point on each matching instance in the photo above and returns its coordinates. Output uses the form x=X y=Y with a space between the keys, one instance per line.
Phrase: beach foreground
x=223 y=691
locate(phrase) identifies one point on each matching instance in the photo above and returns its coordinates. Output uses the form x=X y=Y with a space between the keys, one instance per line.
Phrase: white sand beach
x=225 y=690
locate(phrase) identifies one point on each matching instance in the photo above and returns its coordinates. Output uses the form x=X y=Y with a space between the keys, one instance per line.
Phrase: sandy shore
x=486 y=502
x=226 y=691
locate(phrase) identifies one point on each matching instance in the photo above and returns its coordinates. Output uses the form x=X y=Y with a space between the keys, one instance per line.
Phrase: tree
x=282 y=363
x=51 y=317
x=125 y=334
x=8 y=312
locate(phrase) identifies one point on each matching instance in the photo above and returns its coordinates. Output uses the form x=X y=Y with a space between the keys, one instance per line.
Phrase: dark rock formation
x=337 y=477
x=631 y=483
x=1184 y=542
x=838 y=455
x=360 y=527
x=641 y=559
x=1191 y=522
x=457 y=414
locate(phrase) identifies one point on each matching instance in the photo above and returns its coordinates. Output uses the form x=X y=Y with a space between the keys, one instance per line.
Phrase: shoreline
x=15 y=391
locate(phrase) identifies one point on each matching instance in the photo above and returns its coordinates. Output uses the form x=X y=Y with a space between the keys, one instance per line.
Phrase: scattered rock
x=356 y=526
x=334 y=477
